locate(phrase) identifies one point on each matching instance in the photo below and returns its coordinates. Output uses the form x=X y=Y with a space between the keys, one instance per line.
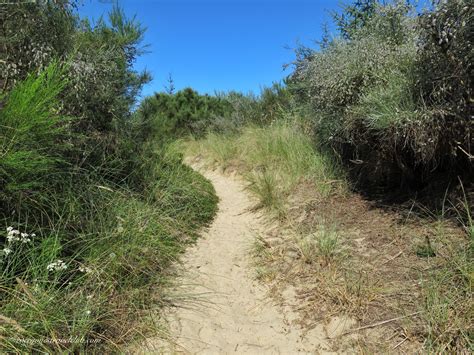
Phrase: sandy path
x=223 y=310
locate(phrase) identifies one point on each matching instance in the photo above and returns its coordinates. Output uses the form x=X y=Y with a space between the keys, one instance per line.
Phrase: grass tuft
x=323 y=245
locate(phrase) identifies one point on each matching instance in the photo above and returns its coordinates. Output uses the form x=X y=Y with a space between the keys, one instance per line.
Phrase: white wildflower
x=7 y=251
x=24 y=238
x=88 y=312
x=57 y=266
x=85 y=269
x=12 y=235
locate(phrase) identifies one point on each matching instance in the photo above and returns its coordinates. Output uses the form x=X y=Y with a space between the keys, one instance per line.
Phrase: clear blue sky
x=220 y=44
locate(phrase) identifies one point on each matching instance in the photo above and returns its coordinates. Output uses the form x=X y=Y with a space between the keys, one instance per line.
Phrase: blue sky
x=219 y=45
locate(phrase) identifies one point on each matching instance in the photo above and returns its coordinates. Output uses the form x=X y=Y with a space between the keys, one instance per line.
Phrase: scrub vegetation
x=362 y=159
x=93 y=211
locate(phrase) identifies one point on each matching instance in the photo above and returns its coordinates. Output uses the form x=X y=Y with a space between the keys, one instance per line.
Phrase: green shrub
x=354 y=17
x=34 y=33
x=91 y=216
x=337 y=77
x=444 y=78
x=187 y=112
x=172 y=115
x=387 y=105
x=273 y=103
x=101 y=86
x=33 y=138
x=380 y=96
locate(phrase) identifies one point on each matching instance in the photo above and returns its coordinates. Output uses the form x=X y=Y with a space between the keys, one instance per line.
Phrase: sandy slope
x=223 y=309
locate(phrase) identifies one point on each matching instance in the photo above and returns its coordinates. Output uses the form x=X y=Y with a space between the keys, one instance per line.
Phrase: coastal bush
x=381 y=98
x=91 y=217
x=172 y=115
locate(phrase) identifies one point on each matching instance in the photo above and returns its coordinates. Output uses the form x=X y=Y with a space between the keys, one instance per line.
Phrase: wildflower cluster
x=58 y=265
x=13 y=236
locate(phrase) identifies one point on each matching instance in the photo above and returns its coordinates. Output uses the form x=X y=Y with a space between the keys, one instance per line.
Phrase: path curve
x=224 y=311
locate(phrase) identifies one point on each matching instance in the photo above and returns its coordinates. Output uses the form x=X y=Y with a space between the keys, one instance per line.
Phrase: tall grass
x=388 y=105
x=121 y=251
x=30 y=131
x=446 y=310
x=273 y=159
x=81 y=252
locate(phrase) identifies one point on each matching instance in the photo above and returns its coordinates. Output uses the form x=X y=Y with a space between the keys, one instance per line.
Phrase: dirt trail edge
x=223 y=310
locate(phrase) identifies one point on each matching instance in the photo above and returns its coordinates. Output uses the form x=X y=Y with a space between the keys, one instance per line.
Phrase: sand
x=220 y=308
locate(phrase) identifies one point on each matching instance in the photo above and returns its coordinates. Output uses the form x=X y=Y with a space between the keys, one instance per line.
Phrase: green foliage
x=446 y=309
x=33 y=34
x=273 y=103
x=104 y=86
x=33 y=135
x=393 y=22
x=354 y=17
x=384 y=19
x=170 y=115
x=336 y=77
x=187 y=112
x=101 y=84
x=444 y=77
x=379 y=98
x=391 y=98
x=102 y=91
x=389 y=104
x=91 y=216
x=121 y=247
